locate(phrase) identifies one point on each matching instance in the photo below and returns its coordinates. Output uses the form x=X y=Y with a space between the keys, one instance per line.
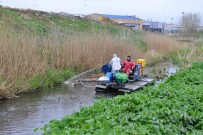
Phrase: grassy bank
x=188 y=55
x=37 y=47
x=46 y=23
x=191 y=53
x=174 y=107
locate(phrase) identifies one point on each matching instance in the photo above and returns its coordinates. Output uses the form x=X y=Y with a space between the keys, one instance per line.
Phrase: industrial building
x=171 y=28
x=131 y=21
x=152 y=26
x=137 y=23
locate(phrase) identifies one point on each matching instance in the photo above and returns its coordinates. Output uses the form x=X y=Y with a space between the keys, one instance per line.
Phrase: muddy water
x=22 y=115
x=161 y=71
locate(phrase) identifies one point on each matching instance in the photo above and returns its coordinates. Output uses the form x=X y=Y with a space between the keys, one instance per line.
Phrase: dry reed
x=159 y=47
x=23 y=57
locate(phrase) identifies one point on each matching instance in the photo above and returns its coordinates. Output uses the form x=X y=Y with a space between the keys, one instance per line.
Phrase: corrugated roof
x=120 y=17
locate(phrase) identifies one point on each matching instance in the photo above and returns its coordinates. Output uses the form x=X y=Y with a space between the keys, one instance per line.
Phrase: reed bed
x=188 y=55
x=159 y=47
x=25 y=56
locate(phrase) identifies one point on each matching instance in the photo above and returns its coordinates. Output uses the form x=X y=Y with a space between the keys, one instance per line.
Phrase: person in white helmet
x=115 y=64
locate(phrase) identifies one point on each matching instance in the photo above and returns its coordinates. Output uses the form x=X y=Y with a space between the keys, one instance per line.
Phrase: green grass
x=186 y=56
x=19 y=23
x=50 y=79
x=44 y=23
x=198 y=34
x=177 y=56
x=174 y=107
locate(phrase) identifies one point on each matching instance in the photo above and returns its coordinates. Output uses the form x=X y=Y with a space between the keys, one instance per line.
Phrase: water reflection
x=22 y=115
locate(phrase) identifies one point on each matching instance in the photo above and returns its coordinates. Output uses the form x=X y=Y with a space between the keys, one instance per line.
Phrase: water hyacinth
x=174 y=107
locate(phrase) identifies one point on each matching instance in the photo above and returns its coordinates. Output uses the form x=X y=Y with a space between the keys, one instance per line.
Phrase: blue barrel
x=110 y=76
x=106 y=68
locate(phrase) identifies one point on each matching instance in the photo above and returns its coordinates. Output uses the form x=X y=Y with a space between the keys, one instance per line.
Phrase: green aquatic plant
x=174 y=107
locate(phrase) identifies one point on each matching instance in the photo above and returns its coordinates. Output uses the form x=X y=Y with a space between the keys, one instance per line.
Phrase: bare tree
x=189 y=22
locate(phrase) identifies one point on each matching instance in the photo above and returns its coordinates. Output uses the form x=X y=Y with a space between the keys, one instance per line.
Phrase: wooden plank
x=100 y=90
x=101 y=86
x=147 y=80
x=129 y=88
x=124 y=90
x=132 y=86
x=139 y=83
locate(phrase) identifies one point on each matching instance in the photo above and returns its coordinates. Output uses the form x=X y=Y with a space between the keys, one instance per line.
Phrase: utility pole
x=183 y=21
x=172 y=27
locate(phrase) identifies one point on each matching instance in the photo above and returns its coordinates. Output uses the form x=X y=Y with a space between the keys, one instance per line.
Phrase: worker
x=128 y=65
x=115 y=63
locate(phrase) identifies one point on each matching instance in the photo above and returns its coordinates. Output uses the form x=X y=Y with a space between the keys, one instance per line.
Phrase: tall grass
x=27 y=61
x=159 y=46
x=188 y=55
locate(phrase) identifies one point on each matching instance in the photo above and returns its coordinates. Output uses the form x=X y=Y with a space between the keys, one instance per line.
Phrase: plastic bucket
x=106 y=68
x=110 y=76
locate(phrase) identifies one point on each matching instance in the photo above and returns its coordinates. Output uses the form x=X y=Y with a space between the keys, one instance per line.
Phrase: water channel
x=22 y=115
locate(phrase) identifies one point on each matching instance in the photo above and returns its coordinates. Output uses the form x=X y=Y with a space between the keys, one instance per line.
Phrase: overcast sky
x=157 y=10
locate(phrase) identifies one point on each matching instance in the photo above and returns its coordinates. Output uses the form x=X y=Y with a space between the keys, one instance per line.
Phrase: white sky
x=157 y=10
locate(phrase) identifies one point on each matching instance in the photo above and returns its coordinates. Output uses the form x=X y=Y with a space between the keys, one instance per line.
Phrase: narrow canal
x=22 y=115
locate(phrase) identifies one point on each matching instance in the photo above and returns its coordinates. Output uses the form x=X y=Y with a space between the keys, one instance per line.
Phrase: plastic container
x=103 y=79
x=142 y=62
x=106 y=68
x=121 y=77
x=110 y=76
